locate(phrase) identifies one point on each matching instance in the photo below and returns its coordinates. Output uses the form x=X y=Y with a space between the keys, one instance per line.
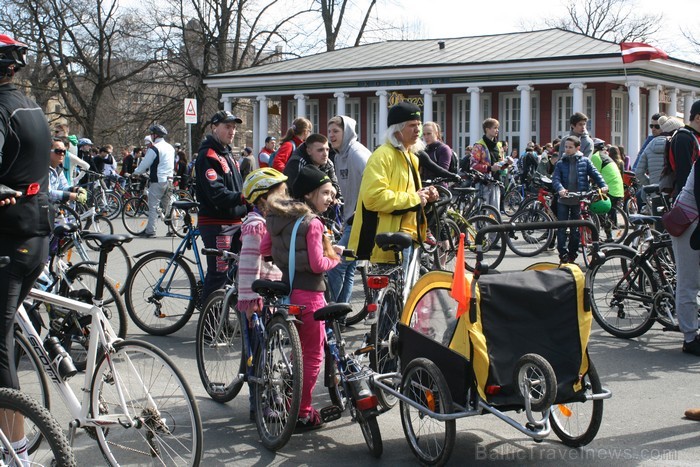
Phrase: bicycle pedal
x=330 y=413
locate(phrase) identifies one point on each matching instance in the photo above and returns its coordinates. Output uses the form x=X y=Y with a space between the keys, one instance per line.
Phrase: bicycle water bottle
x=60 y=359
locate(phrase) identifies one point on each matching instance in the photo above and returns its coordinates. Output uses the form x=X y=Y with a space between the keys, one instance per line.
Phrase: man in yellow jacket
x=390 y=193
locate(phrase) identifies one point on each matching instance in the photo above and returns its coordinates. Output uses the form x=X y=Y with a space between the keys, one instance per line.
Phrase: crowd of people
x=252 y=204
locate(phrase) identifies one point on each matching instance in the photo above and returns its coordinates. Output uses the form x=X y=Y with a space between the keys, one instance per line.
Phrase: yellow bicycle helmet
x=259 y=182
x=601 y=204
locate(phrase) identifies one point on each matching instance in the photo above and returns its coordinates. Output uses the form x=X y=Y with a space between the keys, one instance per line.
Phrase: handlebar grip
x=348 y=253
x=212 y=252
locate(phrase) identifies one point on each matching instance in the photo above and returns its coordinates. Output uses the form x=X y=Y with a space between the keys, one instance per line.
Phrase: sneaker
x=311 y=422
x=693 y=414
x=692 y=347
x=147 y=235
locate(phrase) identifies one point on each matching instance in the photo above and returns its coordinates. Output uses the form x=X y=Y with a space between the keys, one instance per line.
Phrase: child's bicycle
x=348 y=381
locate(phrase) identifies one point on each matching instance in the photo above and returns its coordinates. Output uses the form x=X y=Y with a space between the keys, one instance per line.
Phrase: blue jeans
x=566 y=213
x=342 y=277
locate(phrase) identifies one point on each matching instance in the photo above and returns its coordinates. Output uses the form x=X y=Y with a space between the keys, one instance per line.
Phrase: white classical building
x=530 y=81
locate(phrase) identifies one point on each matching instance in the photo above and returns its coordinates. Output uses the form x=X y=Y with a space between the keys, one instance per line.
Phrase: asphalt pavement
x=652 y=383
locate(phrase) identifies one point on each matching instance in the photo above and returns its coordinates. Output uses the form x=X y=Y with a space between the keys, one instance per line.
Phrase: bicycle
x=348 y=381
x=135 y=212
x=134 y=401
x=38 y=423
x=161 y=291
x=103 y=200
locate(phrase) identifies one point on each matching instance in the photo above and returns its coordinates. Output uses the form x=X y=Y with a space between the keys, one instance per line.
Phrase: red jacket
x=284 y=153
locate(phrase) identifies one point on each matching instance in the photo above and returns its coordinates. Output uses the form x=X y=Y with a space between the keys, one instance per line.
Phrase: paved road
x=652 y=383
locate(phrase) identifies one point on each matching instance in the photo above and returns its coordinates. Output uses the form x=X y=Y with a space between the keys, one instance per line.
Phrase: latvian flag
x=633 y=51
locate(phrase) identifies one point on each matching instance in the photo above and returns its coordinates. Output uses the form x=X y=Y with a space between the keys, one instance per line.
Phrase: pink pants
x=312 y=335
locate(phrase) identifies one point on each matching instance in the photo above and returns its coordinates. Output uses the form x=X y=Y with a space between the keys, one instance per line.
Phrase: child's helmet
x=601 y=204
x=259 y=182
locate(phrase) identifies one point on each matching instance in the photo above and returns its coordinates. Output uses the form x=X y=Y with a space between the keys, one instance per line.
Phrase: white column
x=578 y=96
x=301 y=106
x=673 y=107
x=475 y=117
x=253 y=126
x=383 y=114
x=427 y=104
x=227 y=103
x=654 y=92
x=688 y=99
x=525 y=115
x=261 y=132
x=633 y=121
x=340 y=108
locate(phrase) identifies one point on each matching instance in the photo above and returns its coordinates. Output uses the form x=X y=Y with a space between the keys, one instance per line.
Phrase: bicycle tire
x=573 y=428
x=372 y=435
x=512 y=201
x=447 y=245
x=359 y=299
x=101 y=225
x=621 y=227
x=609 y=292
x=488 y=211
x=147 y=377
x=493 y=246
x=277 y=392
x=119 y=262
x=177 y=222
x=69 y=214
x=638 y=240
x=631 y=206
x=114 y=205
x=432 y=441
x=536 y=381
x=332 y=378
x=135 y=216
x=389 y=309
x=40 y=424
x=529 y=243
x=219 y=347
x=152 y=312
x=75 y=339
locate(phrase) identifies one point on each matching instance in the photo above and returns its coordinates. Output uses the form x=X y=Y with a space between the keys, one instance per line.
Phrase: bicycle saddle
x=107 y=240
x=641 y=219
x=395 y=241
x=185 y=205
x=650 y=188
x=266 y=288
x=61 y=230
x=331 y=312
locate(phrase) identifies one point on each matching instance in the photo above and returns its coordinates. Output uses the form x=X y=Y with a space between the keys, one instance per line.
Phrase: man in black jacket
x=220 y=195
x=684 y=146
x=25 y=145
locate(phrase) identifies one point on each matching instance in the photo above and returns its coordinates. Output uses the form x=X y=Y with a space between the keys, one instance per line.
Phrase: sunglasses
x=654 y=126
x=58 y=151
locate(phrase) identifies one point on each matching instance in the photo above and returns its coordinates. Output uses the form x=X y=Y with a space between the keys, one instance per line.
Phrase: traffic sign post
x=190 y=119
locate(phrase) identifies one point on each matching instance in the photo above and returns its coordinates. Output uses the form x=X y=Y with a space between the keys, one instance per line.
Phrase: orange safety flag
x=461 y=285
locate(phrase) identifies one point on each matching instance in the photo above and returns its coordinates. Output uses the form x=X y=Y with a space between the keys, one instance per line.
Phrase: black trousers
x=27 y=259
x=223 y=237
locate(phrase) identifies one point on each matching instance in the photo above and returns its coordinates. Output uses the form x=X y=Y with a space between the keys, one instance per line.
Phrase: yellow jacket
x=387 y=202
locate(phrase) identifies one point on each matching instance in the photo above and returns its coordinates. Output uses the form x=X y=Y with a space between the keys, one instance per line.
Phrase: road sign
x=190 y=110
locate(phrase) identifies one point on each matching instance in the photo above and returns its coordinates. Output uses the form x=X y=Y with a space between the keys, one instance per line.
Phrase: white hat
x=671 y=124
x=147 y=140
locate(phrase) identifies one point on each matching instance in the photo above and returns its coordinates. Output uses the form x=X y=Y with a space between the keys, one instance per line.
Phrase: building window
x=372 y=122
x=311 y=113
x=562 y=108
x=510 y=118
x=617 y=118
x=461 y=121
x=352 y=110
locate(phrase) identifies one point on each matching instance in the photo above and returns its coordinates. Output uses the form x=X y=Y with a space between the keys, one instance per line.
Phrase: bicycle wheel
x=278 y=383
x=219 y=348
x=577 y=423
x=617 y=229
x=360 y=297
x=32 y=379
x=113 y=207
x=101 y=225
x=81 y=284
x=447 y=245
x=512 y=201
x=161 y=293
x=493 y=245
x=380 y=359
x=622 y=295
x=177 y=222
x=530 y=242
x=119 y=261
x=536 y=380
x=488 y=211
x=332 y=379
x=68 y=214
x=165 y=426
x=372 y=435
x=135 y=216
x=54 y=448
x=424 y=385
x=631 y=206
x=639 y=240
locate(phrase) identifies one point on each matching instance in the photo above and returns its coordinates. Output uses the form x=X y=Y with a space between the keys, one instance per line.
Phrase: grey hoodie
x=586 y=144
x=350 y=163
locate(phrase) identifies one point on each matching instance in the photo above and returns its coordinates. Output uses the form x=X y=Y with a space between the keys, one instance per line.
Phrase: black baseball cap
x=403 y=112
x=224 y=116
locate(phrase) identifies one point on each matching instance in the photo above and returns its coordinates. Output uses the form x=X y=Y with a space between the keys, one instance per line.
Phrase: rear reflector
x=377 y=282
x=367 y=403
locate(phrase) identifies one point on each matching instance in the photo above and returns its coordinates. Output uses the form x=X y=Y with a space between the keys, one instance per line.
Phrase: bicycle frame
x=190 y=241
x=103 y=337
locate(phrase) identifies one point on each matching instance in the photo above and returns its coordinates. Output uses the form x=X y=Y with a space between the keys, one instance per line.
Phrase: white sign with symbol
x=190 y=110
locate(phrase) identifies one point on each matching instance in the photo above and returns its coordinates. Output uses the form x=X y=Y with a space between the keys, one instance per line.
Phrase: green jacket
x=610 y=172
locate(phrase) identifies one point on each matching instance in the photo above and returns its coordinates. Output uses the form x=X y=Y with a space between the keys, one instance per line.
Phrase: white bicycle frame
x=101 y=336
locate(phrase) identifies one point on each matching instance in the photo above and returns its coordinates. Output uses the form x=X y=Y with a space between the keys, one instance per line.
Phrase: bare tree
x=333 y=16
x=613 y=20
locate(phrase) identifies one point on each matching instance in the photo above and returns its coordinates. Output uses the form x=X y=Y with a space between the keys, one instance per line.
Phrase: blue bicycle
x=161 y=291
